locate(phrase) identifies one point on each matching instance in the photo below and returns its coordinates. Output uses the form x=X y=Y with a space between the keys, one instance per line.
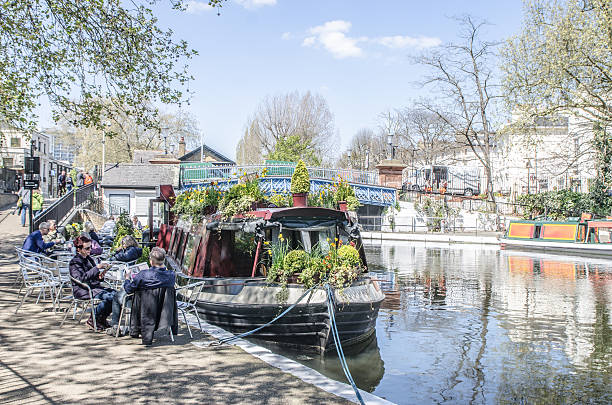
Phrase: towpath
x=41 y=363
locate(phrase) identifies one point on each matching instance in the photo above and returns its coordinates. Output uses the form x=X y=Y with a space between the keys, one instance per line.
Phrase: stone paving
x=41 y=363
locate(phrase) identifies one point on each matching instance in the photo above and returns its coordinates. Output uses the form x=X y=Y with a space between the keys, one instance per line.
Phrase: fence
x=199 y=172
x=480 y=223
x=62 y=207
x=465 y=203
x=102 y=207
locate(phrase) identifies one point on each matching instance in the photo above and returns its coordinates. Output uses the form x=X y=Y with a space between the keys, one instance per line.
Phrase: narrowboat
x=232 y=257
x=584 y=237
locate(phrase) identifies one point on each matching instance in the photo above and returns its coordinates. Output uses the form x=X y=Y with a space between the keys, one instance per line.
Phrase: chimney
x=181 y=150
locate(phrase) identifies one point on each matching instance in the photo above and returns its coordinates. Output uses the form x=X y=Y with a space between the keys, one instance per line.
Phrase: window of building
x=119 y=203
x=15 y=142
x=7 y=162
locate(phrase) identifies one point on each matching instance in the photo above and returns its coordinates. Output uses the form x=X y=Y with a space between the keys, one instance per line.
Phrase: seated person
x=84 y=269
x=129 y=251
x=136 y=223
x=89 y=228
x=35 y=243
x=109 y=226
x=156 y=276
x=53 y=235
x=96 y=249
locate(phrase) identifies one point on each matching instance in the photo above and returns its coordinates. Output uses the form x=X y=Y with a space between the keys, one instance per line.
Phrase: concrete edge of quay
x=489 y=239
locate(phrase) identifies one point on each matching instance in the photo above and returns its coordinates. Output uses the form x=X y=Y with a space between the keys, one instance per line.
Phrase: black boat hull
x=307 y=326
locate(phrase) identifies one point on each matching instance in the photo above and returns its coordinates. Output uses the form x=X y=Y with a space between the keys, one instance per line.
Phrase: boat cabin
x=586 y=231
x=234 y=248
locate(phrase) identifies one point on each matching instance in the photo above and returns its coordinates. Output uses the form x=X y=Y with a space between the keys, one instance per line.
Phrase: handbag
x=19 y=203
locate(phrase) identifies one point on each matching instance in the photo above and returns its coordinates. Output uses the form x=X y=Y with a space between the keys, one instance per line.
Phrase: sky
x=354 y=53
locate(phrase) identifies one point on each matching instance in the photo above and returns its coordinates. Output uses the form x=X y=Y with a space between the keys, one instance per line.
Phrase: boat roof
x=600 y=224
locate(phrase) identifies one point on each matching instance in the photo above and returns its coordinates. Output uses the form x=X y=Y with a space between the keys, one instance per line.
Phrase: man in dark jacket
x=156 y=276
x=35 y=243
x=85 y=269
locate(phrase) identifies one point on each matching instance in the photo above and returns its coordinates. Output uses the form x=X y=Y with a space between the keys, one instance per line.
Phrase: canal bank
x=41 y=363
x=478 y=238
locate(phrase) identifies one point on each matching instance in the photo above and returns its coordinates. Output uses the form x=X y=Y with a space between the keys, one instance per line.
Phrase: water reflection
x=471 y=324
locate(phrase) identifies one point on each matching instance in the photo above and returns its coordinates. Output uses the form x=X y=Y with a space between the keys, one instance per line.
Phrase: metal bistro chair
x=127 y=312
x=23 y=255
x=61 y=274
x=189 y=305
x=34 y=277
x=85 y=302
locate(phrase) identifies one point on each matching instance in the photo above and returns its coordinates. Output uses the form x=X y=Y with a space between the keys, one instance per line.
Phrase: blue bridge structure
x=276 y=178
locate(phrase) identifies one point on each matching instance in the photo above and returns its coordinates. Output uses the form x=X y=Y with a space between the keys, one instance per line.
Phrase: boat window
x=187 y=253
x=536 y=233
x=243 y=253
x=604 y=235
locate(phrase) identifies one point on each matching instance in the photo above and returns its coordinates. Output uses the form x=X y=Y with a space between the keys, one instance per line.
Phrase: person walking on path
x=69 y=183
x=24 y=200
x=87 y=179
x=37 y=202
x=61 y=183
x=80 y=179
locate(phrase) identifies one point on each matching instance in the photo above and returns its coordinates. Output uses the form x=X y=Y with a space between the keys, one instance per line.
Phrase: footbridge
x=275 y=178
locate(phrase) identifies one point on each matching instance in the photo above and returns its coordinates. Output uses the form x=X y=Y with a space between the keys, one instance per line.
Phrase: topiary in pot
x=300 y=185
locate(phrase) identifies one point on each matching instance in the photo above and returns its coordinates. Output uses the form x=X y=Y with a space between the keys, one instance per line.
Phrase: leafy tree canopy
x=77 y=53
x=294 y=148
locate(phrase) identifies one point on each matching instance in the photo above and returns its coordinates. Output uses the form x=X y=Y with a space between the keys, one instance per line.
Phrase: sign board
x=32 y=184
x=32 y=164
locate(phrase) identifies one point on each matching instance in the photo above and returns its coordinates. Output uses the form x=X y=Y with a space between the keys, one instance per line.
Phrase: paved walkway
x=41 y=363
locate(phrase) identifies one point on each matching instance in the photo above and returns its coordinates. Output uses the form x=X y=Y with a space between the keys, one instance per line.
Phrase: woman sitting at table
x=89 y=228
x=129 y=250
x=84 y=269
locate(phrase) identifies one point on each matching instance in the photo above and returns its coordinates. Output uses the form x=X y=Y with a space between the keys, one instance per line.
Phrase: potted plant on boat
x=242 y=197
x=345 y=196
x=300 y=185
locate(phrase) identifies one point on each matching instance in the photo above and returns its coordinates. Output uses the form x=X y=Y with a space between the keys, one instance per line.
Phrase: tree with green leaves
x=561 y=65
x=77 y=54
x=561 y=62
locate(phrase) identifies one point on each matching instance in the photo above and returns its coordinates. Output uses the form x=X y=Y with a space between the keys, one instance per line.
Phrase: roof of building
x=140 y=175
x=208 y=152
x=144 y=156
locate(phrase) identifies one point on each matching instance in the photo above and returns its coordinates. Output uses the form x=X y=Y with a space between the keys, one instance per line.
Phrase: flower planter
x=300 y=199
x=342 y=206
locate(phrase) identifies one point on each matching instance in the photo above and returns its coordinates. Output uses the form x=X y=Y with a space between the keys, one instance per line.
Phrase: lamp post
x=528 y=167
x=391 y=147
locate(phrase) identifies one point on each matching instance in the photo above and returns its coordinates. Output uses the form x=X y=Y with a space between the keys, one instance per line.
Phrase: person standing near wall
x=24 y=203
x=37 y=202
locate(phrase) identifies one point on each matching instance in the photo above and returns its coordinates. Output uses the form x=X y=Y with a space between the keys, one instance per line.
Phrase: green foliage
x=241 y=197
x=124 y=227
x=561 y=204
x=292 y=149
x=300 y=180
x=79 y=53
x=194 y=204
x=144 y=257
x=281 y=200
x=345 y=192
x=349 y=256
x=435 y=211
x=325 y=197
x=74 y=229
x=73 y=175
x=295 y=261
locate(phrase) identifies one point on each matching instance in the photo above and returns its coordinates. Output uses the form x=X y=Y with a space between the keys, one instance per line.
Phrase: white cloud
x=400 y=42
x=255 y=3
x=286 y=36
x=197 y=7
x=332 y=37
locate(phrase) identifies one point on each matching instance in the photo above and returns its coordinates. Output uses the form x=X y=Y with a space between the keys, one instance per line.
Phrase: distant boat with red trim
x=584 y=236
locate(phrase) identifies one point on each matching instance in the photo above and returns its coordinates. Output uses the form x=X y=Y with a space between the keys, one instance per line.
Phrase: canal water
x=475 y=324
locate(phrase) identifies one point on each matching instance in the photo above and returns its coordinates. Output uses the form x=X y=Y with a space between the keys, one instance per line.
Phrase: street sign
x=32 y=184
x=32 y=164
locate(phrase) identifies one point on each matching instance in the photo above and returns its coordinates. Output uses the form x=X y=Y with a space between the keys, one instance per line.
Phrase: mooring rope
x=336 y=335
x=232 y=338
